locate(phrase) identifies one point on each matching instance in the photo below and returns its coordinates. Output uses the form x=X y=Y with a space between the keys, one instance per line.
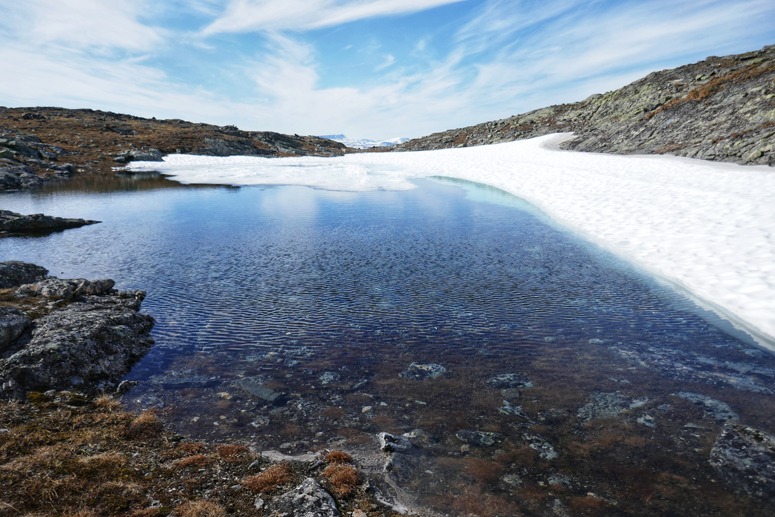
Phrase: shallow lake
x=534 y=372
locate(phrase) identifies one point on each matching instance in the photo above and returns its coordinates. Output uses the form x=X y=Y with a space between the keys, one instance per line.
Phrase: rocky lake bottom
x=475 y=358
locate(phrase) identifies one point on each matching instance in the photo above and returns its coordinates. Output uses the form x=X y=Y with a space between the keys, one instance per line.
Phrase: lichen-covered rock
x=744 y=458
x=14 y=273
x=306 y=500
x=89 y=338
x=66 y=289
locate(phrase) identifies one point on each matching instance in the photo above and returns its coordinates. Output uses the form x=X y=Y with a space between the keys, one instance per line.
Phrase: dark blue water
x=326 y=299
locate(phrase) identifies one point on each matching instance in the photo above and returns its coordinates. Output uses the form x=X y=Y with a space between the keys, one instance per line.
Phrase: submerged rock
x=421 y=372
x=544 y=449
x=607 y=405
x=479 y=438
x=509 y=381
x=13 y=223
x=744 y=458
x=719 y=411
x=257 y=389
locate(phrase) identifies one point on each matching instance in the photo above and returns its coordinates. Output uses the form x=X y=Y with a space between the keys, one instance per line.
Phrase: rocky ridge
x=722 y=108
x=65 y=334
x=37 y=144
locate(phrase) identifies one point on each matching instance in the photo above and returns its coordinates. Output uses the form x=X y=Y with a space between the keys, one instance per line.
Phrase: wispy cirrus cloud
x=81 y=24
x=259 y=15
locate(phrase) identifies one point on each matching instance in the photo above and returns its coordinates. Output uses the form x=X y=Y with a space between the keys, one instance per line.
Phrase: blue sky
x=366 y=68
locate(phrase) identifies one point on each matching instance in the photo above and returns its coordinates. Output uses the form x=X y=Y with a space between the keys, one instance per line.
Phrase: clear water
x=324 y=299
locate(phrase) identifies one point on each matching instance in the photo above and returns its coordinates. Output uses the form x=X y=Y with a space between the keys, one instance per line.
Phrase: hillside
x=722 y=108
x=43 y=143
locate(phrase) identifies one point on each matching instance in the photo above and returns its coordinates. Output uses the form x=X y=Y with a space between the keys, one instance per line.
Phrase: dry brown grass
x=338 y=457
x=189 y=448
x=270 y=479
x=233 y=452
x=342 y=479
x=200 y=508
x=107 y=402
x=58 y=459
x=146 y=425
x=196 y=461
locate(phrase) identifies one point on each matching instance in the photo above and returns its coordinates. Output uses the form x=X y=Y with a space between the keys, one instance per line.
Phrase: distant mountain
x=364 y=143
x=722 y=108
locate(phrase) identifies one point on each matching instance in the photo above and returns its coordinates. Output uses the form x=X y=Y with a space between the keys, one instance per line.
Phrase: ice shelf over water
x=707 y=227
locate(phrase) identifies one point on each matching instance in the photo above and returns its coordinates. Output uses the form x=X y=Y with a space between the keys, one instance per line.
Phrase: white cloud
x=93 y=25
x=259 y=15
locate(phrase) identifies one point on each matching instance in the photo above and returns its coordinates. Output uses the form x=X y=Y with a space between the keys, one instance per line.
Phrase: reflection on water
x=533 y=372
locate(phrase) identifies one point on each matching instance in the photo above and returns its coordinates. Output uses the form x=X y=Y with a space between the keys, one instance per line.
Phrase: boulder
x=12 y=323
x=139 y=155
x=309 y=499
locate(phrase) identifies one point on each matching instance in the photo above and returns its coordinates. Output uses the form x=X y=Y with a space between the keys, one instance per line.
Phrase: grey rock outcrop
x=722 y=108
x=17 y=177
x=139 y=155
x=309 y=499
x=14 y=223
x=67 y=289
x=14 y=273
x=88 y=338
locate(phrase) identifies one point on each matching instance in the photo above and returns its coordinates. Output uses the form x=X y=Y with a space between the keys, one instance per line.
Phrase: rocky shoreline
x=64 y=344
x=12 y=223
x=722 y=108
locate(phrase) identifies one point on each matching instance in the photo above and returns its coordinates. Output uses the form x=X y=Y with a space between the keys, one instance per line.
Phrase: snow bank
x=707 y=227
